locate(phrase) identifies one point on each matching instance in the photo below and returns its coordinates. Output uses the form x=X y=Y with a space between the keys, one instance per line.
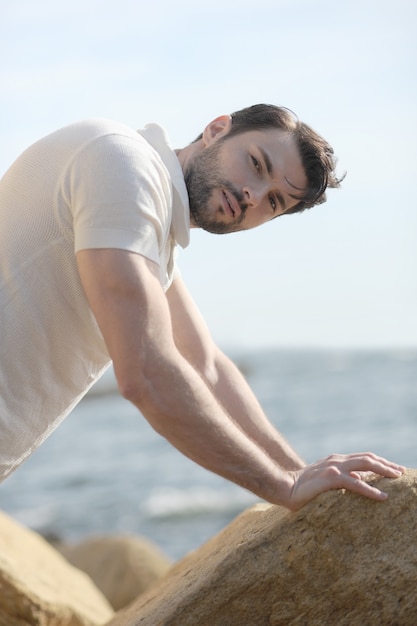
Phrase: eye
x=256 y=163
x=273 y=203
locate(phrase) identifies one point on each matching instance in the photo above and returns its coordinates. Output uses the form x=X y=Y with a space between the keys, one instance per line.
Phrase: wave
x=169 y=503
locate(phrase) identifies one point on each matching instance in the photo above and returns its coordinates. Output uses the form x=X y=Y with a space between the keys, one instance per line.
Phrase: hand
x=341 y=471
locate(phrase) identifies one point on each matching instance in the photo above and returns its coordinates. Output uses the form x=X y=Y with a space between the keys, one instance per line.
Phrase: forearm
x=213 y=420
x=228 y=386
x=190 y=418
x=237 y=398
x=186 y=413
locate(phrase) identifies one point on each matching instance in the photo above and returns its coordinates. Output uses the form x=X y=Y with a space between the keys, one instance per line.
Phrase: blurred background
x=319 y=308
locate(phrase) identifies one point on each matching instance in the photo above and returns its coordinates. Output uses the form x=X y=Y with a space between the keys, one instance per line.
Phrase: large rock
x=342 y=560
x=122 y=567
x=38 y=587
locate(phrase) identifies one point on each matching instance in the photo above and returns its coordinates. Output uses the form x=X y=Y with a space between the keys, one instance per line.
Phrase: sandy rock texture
x=121 y=566
x=342 y=560
x=38 y=587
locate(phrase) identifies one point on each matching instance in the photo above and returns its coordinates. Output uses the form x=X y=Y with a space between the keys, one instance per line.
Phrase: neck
x=185 y=155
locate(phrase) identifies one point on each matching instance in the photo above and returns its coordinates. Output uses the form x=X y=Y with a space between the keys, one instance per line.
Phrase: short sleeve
x=120 y=196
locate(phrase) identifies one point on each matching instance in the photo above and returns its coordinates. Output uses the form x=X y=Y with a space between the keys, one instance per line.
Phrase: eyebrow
x=268 y=165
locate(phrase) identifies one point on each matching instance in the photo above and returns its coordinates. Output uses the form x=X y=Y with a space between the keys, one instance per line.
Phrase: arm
x=224 y=378
x=126 y=297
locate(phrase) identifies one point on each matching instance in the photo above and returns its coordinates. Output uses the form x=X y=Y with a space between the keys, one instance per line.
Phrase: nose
x=253 y=195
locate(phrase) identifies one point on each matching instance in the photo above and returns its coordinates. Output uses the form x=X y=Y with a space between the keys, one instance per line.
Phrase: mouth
x=230 y=204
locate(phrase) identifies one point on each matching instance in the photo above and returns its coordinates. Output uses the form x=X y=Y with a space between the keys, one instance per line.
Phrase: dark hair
x=317 y=155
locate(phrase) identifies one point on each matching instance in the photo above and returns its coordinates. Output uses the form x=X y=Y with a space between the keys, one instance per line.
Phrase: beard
x=202 y=178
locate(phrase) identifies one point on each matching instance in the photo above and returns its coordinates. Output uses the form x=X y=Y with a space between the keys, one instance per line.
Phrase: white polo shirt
x=94 y=184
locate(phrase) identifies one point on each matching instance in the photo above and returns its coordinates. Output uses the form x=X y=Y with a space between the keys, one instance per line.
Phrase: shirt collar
x=180 y=224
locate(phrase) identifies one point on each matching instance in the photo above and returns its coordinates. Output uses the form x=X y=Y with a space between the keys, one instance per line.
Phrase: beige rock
x=342 y=560
x=122 y=567
x=38 y=587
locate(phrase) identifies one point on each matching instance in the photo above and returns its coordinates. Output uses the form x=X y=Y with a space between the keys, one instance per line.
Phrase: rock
x=342 y=560
x=122 y=567
x=39 y=588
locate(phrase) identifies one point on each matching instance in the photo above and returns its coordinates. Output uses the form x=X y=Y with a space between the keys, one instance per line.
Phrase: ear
x=217 y=128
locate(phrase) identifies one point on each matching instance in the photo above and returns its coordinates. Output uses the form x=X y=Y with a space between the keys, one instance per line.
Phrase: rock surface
x=122 y=567
x=39 y=588
x=342 y=560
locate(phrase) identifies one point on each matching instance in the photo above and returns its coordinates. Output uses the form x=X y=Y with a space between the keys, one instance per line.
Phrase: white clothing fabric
x=94 y=184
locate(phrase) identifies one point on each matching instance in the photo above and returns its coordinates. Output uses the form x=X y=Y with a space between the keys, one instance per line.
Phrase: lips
x=230 y=205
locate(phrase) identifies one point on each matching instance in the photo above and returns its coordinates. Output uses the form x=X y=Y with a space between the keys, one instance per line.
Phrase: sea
x=105 y=471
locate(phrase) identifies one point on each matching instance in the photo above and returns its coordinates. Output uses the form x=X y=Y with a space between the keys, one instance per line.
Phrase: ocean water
x=104 y=470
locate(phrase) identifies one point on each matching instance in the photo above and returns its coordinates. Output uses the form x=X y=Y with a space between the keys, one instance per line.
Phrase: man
x=90 y=219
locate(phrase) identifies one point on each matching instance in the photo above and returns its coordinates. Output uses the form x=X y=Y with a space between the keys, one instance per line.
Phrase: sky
x=342 y=275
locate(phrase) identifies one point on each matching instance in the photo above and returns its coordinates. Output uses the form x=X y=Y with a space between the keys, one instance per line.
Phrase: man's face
x=243 y=181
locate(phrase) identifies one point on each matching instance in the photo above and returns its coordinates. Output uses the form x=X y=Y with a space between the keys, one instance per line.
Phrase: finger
x=342 y=472
x=366 y=457
x=377 y=465
x=364 y=475
x=344 y=475
x=357 y=485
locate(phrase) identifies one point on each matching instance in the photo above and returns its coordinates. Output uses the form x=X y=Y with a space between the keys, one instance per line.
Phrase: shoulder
x=103 y=144
x=99 y=132
x=96 y=127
